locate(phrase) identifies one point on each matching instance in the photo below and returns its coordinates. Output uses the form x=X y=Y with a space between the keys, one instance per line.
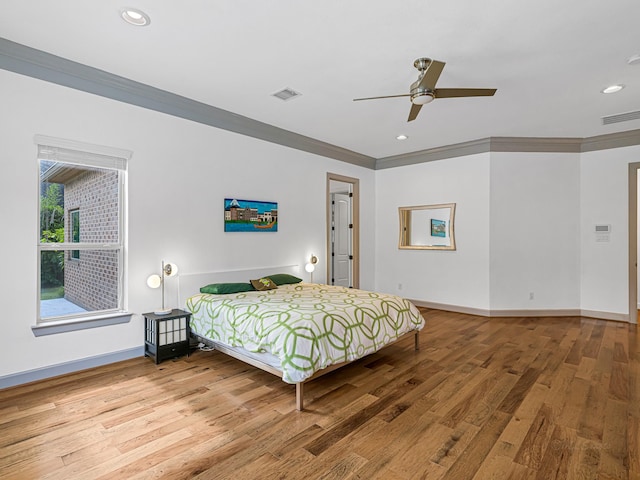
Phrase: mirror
x=427 y=227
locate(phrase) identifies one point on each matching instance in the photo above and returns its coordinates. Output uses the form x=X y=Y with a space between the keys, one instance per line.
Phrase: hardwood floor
x=500 y=398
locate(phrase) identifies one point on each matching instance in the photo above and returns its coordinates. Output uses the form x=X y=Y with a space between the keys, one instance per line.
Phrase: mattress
x=307 y=326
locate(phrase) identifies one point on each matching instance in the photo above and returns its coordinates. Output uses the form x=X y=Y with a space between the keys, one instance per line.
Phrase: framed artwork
x=438 y=228
x=250 y=216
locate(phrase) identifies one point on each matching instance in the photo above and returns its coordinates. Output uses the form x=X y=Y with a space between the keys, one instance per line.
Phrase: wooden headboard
x=189 y=284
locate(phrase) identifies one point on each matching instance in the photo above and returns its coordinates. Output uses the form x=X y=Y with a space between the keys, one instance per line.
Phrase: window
x=74 y=221
x=81 y=232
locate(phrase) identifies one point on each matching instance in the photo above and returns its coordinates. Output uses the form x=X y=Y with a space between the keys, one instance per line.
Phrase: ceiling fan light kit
x=424 y=90
x=422 y=98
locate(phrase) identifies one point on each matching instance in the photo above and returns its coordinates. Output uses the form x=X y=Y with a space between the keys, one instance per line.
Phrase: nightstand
x=166 y=336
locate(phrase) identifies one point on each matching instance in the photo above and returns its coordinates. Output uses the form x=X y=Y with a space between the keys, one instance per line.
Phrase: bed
x=293 y=329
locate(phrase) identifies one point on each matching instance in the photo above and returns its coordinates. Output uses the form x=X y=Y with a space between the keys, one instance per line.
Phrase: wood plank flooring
x=499 y=398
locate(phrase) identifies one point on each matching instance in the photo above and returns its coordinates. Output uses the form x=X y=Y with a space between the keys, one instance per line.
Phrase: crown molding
x=535 y=144
x=485 y=145
x=611 y=140
x=35 y=63
x=514 y=144
x=439 y=153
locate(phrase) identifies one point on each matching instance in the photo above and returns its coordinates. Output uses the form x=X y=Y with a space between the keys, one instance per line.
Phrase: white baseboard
x=561 y=312
x=619 y=317
x=69 y=367
x=452 y=308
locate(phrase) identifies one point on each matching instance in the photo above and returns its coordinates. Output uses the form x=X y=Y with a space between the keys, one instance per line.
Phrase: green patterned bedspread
x=307 y=326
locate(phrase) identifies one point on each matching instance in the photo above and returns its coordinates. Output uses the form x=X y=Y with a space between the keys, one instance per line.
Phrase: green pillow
x=284 y=279
x=226 y=288
x=264 y=284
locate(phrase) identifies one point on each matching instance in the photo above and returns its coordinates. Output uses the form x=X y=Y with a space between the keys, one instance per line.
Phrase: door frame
x=633 y=242
x=355 y=217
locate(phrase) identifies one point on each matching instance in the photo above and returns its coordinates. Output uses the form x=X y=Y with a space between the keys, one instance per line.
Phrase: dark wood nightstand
x=166 y=336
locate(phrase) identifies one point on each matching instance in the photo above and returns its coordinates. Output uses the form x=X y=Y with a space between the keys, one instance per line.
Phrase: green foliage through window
x=52 y=231
x=75 y=231
x=52 y=208
x=52 y=268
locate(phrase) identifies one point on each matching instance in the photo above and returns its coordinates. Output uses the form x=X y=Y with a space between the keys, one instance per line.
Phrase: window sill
x=63 y=326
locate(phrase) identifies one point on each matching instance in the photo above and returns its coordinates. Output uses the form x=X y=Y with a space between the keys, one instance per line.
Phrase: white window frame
x=87 y=155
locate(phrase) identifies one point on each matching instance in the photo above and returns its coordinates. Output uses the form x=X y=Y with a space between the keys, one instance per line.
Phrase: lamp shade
x=170 y=269
x=154 y=281
x=309 y=267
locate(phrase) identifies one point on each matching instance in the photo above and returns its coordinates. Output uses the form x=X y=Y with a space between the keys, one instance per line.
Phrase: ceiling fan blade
x=463 y=92
x=431 y=75
x=386 y=96
x=413 y=113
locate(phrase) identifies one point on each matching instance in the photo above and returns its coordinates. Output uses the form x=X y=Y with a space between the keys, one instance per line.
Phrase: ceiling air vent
x=621 y=117
x=286 y=94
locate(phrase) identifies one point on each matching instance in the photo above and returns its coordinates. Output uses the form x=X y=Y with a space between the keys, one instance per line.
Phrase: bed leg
x=417 y=341
x=299 y=396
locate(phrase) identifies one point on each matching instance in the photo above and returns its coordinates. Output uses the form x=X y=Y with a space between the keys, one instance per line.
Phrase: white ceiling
x=549 y=59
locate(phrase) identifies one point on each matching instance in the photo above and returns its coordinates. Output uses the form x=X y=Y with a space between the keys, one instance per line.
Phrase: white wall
x=178 y=176
x=604 y=180
x=535 y=223
x=524 y=223
x=459 y=277
x=181 y=171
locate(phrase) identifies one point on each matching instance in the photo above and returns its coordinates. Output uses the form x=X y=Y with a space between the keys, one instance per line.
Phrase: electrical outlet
x=530 y=295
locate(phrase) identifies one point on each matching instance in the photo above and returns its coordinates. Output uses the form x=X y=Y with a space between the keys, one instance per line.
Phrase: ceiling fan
x=424 y=90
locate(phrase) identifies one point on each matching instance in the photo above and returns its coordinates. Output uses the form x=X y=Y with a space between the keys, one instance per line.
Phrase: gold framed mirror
x=427 y=227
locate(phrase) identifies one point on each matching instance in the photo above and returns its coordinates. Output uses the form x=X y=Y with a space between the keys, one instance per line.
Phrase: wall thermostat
x=602 y=233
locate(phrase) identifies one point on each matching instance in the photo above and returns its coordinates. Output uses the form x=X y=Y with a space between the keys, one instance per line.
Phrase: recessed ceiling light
x=634 y=60
x=135 y=17
x=612 y=88
x=401 y=137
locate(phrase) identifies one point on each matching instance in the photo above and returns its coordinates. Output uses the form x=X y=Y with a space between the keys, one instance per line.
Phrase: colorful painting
x=438 y=228
x=250 y=216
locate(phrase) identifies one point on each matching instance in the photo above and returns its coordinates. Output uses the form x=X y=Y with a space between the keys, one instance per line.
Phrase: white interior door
x=343 y=230
x=341 y=258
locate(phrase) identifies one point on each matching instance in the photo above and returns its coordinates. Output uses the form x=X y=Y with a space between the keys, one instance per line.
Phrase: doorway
x=343 y=231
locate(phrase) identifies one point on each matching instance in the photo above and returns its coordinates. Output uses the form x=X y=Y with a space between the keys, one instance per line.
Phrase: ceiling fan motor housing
x=421 y=95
